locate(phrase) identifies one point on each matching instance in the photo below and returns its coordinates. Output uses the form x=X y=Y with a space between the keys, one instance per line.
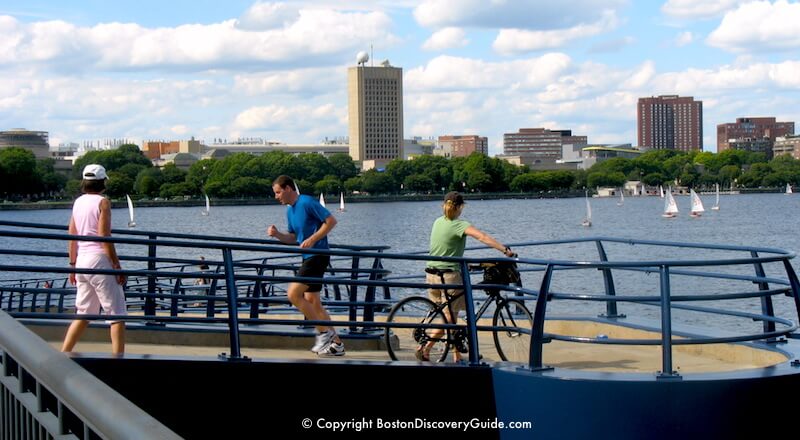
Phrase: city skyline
x=161 y=70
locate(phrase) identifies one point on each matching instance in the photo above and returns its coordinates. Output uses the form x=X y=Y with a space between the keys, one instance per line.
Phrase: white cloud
x=316 y=33
x=446 y=38
x=450 y=73
x=310 y=81
x=759 y=26
x=614 y=45
x=702 y=9
x=180 y=130
x=684 y=38
x=514 y=41
x=515 y=14
x=282 y=116
x=262 y=16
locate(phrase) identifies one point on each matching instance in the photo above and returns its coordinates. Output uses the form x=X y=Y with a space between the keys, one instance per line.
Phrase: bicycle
x=510 y=314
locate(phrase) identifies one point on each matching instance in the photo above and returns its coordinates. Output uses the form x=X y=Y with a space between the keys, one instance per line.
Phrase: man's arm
x=72 y=249
x=283 y=237
x=324 y=229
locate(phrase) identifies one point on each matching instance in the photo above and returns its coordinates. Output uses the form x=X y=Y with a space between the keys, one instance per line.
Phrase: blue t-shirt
x=305 y=218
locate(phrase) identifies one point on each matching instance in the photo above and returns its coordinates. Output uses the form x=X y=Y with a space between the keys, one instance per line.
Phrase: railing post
x=233 y=308
x=150 y=301
x=537 y=327
x=353 y=294
x=472 y=330
x=795 y=283
x=608 y=280
x=369 y=296
x=666 y=328
x=257 y=290
x=766 y=301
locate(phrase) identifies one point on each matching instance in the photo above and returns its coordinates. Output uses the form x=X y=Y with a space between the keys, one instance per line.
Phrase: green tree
x=119 y=184
x=172 y=174
x=148 y=182
x=375 y=182
x=343 y=166
x=19 y=168
x=419 y=182
x=328 y=185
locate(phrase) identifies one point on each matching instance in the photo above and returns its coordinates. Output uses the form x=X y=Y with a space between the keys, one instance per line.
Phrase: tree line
x=22 y=176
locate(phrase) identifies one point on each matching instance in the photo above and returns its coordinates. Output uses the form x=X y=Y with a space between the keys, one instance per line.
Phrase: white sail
x=131 y=222
x=621 y=197
x=661 y=191
x=670 y=207
x=341 y=202
x=644 y=190
x=588 y=220
x=716 y=202
x=208 y=206
x=322 y=199
x=788 y=188
x=697 y=204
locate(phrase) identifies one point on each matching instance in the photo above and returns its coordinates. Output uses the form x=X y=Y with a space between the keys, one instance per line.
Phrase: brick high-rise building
x=751 y=130
x=375 y=109
x=462 y=146
x=670 y=122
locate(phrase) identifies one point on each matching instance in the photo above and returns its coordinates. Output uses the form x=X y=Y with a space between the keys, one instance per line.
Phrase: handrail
x=96 y=404
x=234 y=273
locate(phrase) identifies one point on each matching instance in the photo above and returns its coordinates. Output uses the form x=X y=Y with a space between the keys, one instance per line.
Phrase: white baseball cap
x=94 y=172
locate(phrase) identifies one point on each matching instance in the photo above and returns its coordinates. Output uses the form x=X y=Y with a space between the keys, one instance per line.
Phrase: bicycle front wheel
x=402 y=343
x=512 y=345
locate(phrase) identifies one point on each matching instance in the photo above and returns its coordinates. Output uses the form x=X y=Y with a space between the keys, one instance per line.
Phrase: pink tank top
x=86 y=215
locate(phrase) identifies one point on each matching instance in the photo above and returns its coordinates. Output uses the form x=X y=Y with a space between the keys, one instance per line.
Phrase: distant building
x=540 y=146
x=599 y=153
x=262 y=147
x=670 y=122
x=375 y=110
x=418 y=147
x=463 y=145
x=789 y=144
x=36 y=142
x=752 y=134
x=159 y=149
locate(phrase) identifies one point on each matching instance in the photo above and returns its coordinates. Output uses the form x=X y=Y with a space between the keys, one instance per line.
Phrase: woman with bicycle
x=448 y=239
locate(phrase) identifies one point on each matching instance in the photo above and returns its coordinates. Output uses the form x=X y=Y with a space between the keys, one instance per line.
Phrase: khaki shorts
x=96 y=291
x=437 y=295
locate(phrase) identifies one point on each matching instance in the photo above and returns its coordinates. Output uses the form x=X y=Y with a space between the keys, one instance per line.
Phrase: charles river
x=763 y=220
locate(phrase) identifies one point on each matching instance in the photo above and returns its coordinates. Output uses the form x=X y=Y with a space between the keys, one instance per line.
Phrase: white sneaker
x=332 y=349
x=322 y=340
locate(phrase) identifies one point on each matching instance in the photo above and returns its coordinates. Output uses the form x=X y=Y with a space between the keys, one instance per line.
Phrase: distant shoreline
x=12 y=206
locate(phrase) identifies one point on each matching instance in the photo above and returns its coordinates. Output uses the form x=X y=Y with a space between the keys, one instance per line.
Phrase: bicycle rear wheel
x=513 y=346
x=402 y=343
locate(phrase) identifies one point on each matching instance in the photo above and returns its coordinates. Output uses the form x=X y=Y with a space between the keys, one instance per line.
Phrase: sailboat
x=588 y=220
x=322 y=199
x=716 y=203
x=661 y=191
x=131 y=222
x=697 y=204
x=208 y=206
x=670 y=207
x=621 y=197
x=341 y=202
x=788 y=188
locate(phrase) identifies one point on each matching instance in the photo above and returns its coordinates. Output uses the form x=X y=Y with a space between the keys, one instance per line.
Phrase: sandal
x=421 y=356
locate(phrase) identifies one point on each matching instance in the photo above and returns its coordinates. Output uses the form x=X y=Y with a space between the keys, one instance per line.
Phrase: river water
x=764 y=220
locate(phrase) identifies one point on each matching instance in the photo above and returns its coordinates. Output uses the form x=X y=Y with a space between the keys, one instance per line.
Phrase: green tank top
x=447 y=240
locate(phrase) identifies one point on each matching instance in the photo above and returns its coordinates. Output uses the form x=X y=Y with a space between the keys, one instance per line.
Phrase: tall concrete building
x=375 y=108
x=670 y=122
x=464 y=145
x=752 y=134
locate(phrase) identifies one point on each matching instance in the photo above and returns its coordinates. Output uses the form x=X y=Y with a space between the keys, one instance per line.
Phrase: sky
x=167 y=70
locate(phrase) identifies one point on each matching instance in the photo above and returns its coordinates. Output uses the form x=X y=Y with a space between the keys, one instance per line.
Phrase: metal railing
x=46 y=395
x=236 y=279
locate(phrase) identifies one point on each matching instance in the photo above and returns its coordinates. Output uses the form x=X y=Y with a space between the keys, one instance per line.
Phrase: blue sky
x=89 y=70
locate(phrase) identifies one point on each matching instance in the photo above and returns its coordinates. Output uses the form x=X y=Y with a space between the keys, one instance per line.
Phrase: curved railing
x=238 y=283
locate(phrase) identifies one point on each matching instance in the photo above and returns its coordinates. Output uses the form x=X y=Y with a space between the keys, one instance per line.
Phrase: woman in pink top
x=91 y=216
